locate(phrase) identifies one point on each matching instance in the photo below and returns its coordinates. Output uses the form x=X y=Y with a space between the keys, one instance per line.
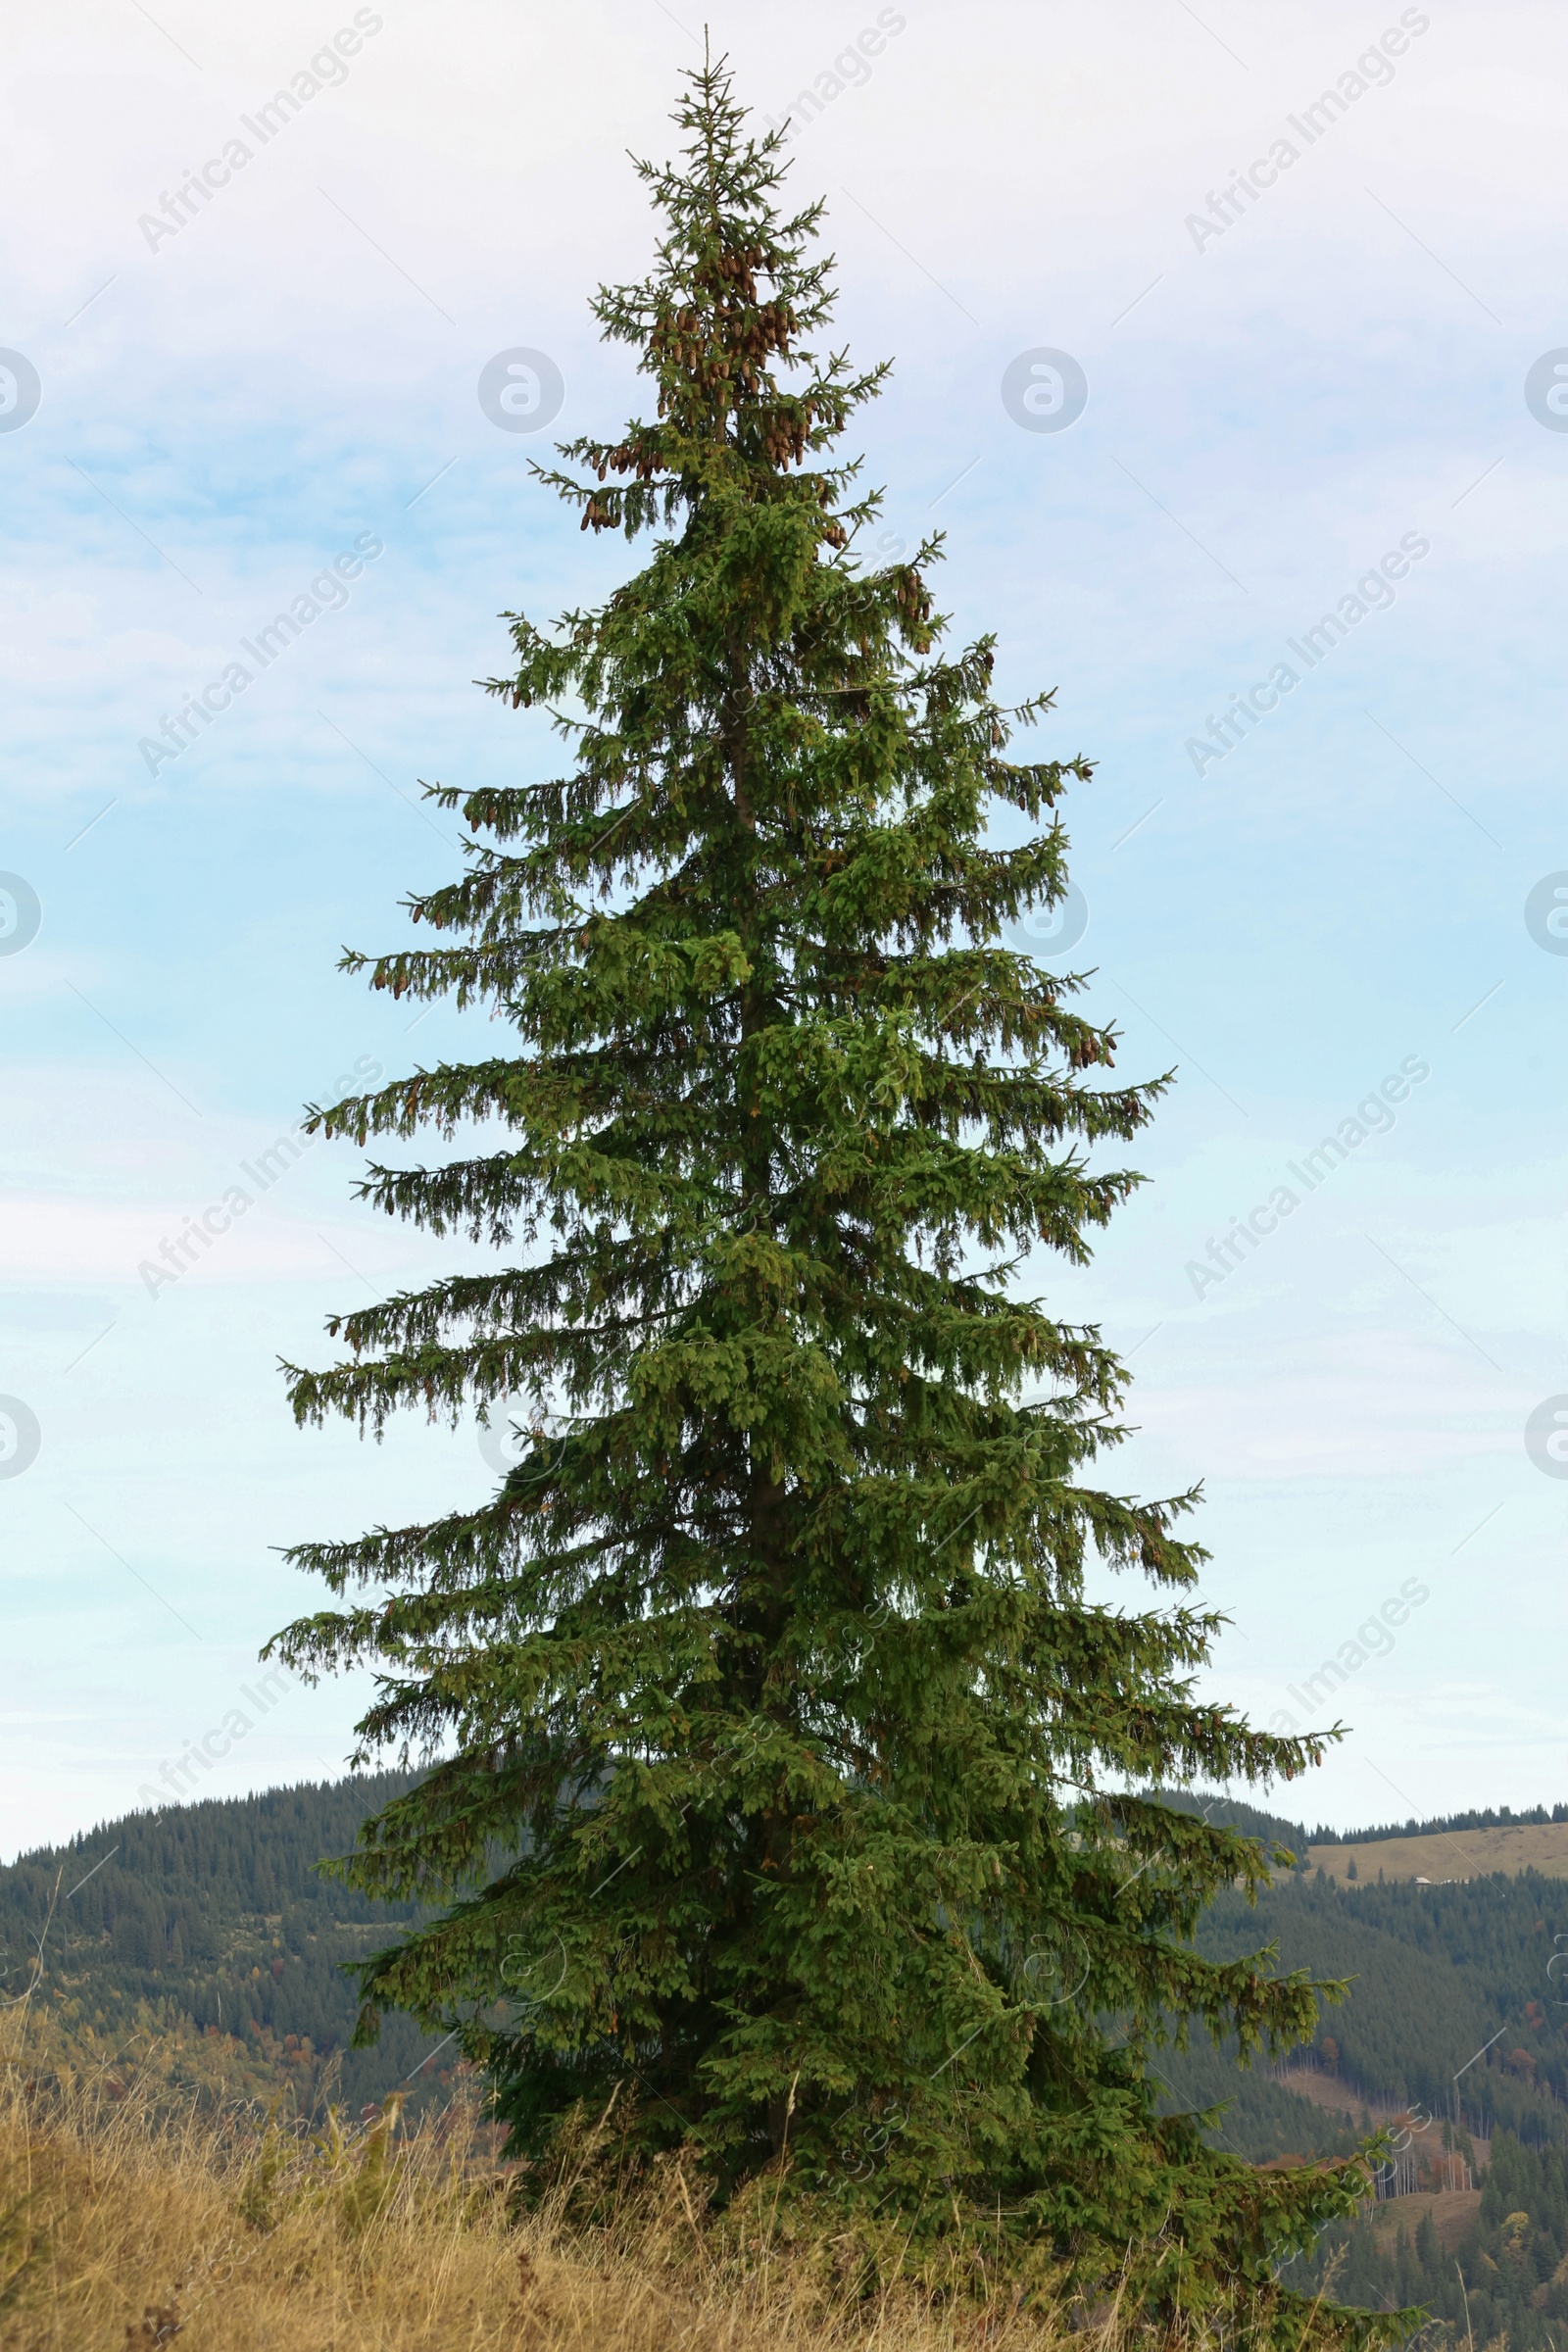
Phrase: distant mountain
x=1449 y=2000
x=1494 y=1818
x=208 y=1931
x=1230 y=1813
x=1455 y=2033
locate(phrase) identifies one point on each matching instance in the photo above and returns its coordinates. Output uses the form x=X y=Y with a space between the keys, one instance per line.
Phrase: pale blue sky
x=1271 y=412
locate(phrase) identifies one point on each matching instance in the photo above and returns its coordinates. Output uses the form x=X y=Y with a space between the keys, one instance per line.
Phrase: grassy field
x=126 y=2224
x=1453 y=1854
x=113 y=2237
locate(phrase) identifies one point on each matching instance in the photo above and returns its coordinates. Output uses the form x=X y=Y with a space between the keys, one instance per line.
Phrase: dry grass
x=1453 y=1854
x=122 y=2226
x=1455 y=2213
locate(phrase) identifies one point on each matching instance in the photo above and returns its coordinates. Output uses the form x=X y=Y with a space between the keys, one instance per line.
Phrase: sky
x=1169 y=420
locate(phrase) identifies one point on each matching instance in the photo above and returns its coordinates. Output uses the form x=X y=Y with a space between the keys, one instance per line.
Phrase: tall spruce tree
x=785 y=1762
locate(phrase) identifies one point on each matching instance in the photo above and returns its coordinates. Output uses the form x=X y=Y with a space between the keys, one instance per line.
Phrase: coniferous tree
x=784 y=1756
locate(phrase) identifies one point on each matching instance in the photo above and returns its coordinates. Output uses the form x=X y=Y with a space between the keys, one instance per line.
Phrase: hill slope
x=1440 y=1854
x=1449 y=2002
x=209 y=1929
x=1455 y=2032
x=212 y=1919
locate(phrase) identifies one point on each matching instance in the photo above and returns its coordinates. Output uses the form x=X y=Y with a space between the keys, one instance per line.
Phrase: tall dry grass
x=124 y=2223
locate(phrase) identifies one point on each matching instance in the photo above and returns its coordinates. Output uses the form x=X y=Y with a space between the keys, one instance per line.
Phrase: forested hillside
x=1231 y=1813
x=210 y=1924
x=1499 y=2280
x=1450 y=1999
x=1452 y=2016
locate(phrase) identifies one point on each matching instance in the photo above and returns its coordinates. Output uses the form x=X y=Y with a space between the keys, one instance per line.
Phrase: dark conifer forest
x=213 y=1920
